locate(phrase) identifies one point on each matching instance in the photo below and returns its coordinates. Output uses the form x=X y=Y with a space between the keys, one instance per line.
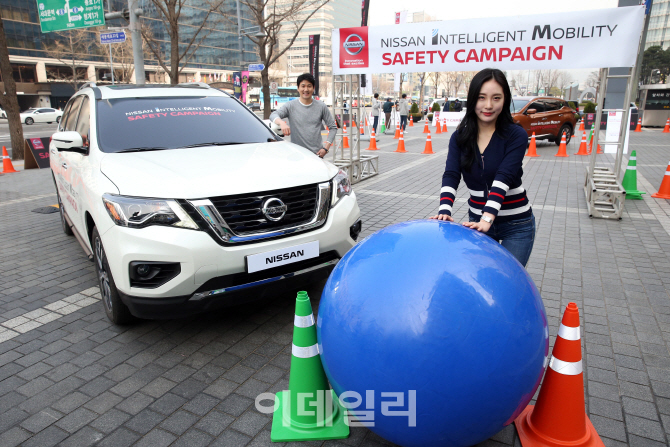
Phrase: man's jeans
x=403 y=122
x=375 y=122
x=517 y=236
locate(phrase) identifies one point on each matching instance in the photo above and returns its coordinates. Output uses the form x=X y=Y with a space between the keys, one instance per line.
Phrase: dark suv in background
x=548 y=117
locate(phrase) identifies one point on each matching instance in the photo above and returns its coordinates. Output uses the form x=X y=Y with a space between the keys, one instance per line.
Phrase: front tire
x=29 y=121
x=568 y=134
x=117 y=312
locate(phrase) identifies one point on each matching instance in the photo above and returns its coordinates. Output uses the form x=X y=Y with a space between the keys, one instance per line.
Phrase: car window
x=72 y=116
x=538 y=106
x=176 y=122
x=84 y=121
x=49 y=110
x=66 y=112
x=516 y=105
x=550 y=105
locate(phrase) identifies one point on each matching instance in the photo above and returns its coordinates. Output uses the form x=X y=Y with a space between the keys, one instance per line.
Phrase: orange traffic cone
x=429 y=146
x=600 y=150
x=397 y=131
x=663 y=191
x=353 y=125
x=362 y=130
x=582 y=147
x=559 y=416
x=438 y=129
x=581 y=125
x=562 y=149
x=7 y=167
x=444 y=127
x=345 y=139
x=401 y=143
x=667 y=126
x=638 y=128
x=532 y=148
x=425 y=128
x=373 y=142
x=411 y=121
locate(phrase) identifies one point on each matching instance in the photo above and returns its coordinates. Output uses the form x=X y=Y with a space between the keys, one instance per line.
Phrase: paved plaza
x=69 y=377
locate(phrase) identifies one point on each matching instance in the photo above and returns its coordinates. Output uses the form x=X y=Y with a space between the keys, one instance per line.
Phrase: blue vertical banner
x=237 y=84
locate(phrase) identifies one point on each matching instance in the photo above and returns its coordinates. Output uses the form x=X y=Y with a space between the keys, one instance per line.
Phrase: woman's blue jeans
x=517 y=236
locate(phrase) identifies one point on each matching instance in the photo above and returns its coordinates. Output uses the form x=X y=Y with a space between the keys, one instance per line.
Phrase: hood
x=212 y=171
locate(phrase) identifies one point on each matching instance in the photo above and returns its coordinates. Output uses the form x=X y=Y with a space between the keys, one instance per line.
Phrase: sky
x=382 y=12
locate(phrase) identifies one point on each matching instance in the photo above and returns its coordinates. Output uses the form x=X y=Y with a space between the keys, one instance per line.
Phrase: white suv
x=185 y=200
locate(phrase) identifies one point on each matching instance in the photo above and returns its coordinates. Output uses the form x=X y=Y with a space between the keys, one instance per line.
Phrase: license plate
x=282 y=256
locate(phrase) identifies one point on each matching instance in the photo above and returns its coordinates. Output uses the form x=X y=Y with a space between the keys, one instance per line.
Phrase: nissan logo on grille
x=274 y=209
x=353 y=44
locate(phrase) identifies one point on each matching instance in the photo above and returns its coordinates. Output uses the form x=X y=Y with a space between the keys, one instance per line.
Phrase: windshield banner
x=586 y=39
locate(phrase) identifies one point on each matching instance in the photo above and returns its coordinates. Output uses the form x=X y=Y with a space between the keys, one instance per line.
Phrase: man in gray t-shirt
x=307 y=116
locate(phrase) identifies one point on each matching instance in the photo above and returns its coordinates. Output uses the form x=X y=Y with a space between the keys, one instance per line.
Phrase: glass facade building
x=218 y=50
x=658 y=33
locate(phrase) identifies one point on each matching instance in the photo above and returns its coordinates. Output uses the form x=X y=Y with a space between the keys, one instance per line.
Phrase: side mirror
x=531 y=111
x=69 y=141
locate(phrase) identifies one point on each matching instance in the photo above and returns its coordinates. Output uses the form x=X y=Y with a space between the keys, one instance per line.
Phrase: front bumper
x=202 y=259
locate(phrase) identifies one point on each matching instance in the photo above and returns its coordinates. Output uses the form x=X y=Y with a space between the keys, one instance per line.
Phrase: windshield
x=176 y=122
x=517 y=104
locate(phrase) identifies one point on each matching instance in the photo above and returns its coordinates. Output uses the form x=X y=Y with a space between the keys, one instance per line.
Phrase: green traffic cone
x=383 y=125
x=309 y=410
x=629 y=181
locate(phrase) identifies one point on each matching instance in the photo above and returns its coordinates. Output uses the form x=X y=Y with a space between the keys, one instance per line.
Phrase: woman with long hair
x=487 y=149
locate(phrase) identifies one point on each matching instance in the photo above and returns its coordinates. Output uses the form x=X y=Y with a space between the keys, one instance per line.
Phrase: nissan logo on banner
x=355 y=46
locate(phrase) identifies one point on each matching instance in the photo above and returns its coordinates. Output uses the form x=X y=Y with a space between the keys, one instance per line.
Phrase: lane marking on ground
x=27 y=199
x=46 y=314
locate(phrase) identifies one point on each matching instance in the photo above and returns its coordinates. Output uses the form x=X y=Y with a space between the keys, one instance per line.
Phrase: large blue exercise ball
x=441 y=310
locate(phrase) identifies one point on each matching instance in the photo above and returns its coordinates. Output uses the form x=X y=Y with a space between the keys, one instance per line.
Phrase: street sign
x=256 y=67
x=273 y=88
x=119 y=37
x=61 y=15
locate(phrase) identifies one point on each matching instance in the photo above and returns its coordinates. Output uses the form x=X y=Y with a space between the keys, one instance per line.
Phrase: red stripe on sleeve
x=496 y=194
x=447 y=198
x=514 y=201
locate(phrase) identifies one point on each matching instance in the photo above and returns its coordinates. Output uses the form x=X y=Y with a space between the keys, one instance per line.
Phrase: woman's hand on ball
x=445 y=217
x=480 y=226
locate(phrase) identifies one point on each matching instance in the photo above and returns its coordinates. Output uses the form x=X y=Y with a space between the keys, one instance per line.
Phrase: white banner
x=589 y=39
x=613 y=130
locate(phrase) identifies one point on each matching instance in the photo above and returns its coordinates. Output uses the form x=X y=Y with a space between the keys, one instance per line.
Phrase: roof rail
x=87 y=84
x=194 y=84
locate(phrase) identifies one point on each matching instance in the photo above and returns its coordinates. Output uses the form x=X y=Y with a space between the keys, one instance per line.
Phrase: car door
x=49 y=115
x=81 y=172
x=66 y=166
x=554 y=117
x=536 y=120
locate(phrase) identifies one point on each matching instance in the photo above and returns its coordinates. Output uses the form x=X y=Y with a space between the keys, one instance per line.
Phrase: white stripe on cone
x=569 y=333
x=303 y=322
x=305 y=352
x=565 y=368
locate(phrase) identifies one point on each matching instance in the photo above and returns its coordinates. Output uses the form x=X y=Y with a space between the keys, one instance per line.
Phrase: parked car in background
x=42 y=115
x=3 y=114
x=547 y=117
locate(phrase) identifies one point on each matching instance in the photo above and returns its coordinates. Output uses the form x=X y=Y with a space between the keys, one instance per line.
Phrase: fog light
x=143 y=269
x=355 y=229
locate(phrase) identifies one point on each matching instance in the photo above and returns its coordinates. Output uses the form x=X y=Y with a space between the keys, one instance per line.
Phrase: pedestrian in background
x=403 y=109
x=388 y=108
x=376 y=105
x=458 y=107
x=487 y=149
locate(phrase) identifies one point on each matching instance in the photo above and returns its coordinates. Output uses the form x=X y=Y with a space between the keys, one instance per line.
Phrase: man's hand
x=445 y=217
x=286 y=130
x=322 y=153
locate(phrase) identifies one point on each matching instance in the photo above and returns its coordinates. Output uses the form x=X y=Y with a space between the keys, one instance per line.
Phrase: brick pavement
x=75 y=379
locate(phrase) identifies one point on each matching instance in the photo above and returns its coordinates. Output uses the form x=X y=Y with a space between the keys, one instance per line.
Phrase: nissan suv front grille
x=243 y=213
x=270 y=214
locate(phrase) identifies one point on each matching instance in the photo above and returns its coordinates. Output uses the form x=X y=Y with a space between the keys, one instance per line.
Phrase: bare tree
x=280 y=22
x=9 y=102
x=593 y=79
x=423 y=77
x=435 y=79
x=70 y=48
x=169 y=13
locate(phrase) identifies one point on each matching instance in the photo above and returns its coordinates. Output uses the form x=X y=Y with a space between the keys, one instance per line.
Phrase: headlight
x=341 y=186
x=136 y=212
